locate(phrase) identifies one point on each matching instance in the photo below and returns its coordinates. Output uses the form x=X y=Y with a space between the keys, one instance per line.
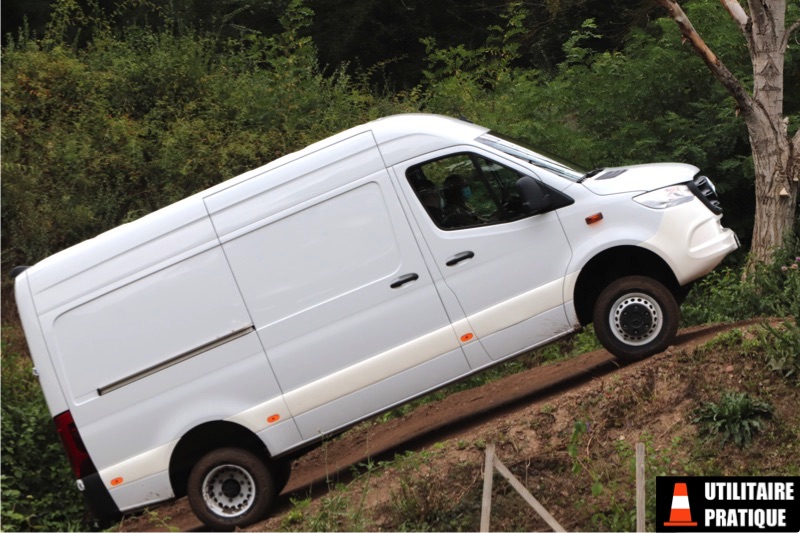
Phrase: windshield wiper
x=593 y=172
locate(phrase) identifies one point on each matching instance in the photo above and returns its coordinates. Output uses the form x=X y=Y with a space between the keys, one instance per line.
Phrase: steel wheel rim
x=229 y=491
x=636 y=319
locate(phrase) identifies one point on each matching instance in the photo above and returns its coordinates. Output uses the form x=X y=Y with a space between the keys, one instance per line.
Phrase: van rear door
x=341 y=297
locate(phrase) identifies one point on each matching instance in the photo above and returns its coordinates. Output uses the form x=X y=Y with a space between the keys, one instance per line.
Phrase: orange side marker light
x=273 y=419
x=597 y=217
x=116 y=481
x=467 y=337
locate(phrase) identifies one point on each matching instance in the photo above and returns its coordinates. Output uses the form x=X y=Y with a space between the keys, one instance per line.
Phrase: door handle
x=456 y=259
x=402 y=280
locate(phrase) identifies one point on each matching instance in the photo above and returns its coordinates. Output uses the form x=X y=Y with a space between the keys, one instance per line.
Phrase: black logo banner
x=728 y=503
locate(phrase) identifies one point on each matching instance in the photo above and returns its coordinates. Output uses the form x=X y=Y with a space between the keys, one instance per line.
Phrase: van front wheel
x=636 y=317
x=229 y=488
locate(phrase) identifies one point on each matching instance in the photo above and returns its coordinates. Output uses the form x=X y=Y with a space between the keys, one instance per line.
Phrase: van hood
x=640 y=178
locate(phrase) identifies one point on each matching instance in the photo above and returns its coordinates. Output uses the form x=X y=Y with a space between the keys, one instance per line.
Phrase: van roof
x=399 y=137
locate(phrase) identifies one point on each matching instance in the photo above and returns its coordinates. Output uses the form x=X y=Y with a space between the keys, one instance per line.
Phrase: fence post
x=640 y=494
x=488 y=475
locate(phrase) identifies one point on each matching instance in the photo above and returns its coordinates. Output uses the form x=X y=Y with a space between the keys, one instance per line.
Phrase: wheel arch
x=615 y=263
x=204 y=438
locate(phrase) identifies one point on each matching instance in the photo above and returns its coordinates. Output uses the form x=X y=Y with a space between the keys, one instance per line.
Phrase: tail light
x=79 y=458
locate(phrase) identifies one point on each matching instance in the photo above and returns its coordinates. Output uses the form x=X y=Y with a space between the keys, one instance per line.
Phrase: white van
x=189 y=351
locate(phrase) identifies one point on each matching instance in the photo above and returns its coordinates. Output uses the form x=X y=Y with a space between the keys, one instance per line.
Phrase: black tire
x=229 y=488
x=281 y=470
x=636 y=317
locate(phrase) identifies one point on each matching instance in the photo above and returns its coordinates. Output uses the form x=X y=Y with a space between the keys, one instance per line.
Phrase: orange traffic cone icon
x=680 y=514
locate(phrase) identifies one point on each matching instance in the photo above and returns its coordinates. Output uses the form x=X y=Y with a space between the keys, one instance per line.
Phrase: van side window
x=466 y=191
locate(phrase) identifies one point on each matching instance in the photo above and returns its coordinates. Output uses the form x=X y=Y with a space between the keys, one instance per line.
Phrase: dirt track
x=456 y=414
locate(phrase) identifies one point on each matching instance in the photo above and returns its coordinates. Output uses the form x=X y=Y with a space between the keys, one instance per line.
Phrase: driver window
x=466 y=191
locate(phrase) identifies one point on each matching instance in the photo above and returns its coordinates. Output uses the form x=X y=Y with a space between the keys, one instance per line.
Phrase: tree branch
x=718 y=69
x=739 y=15
x=788 y=35
x=737 y=12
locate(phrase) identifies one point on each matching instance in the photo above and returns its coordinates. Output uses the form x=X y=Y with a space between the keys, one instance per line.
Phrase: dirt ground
x=531 y=416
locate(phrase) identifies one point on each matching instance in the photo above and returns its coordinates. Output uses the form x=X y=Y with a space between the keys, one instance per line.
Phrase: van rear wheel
x=229 y=488
x=636 y=317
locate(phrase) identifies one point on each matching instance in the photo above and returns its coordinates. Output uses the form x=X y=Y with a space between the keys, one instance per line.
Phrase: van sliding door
x=341 y=298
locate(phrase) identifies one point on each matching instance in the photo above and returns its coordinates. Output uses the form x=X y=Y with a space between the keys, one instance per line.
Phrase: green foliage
x=737 y=339
x=458 y=80
x=335 y=511
x=101 y=135
x=736 y=418
x=726 y=294
x=578 y=430
x=782 y=347
x=163 y=521
x=425 y=499
x=38 y=490
x=776 y=345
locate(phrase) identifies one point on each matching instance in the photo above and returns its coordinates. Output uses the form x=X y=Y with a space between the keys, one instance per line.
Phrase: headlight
x=666 y=197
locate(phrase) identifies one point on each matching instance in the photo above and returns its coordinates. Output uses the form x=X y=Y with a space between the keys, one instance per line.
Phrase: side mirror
x=534 y=197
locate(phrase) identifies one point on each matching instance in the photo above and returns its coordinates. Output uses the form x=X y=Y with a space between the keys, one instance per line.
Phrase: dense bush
x=38 y=489
x=97 y=135
x=727 y=294
x=101 y=135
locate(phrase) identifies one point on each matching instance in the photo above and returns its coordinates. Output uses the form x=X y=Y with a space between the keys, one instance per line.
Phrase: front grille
x=702 y=187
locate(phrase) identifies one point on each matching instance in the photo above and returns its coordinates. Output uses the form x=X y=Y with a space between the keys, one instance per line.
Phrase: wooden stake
x=640 y=493
x=488 y=474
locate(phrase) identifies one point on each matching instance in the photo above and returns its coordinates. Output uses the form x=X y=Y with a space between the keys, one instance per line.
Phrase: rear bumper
x=98 y=499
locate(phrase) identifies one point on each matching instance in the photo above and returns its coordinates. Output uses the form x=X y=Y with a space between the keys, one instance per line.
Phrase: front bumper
x=692 y=240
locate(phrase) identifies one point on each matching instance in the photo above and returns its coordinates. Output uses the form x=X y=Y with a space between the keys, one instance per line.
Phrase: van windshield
x=518 y=149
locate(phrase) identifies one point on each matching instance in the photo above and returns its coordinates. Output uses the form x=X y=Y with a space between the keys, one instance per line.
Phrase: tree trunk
x=776 y=158
x=776 y=192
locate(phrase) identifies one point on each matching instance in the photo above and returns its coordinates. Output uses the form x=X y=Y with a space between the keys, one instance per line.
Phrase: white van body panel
x=640 y=178
x=45 y=370
x=508 y=281
x=691 y=240
x=303 y=296
x=342 y=237
x=132 y=335
x=402 y=137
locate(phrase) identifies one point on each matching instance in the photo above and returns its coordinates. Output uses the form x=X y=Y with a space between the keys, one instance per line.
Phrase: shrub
x=726 y=294
x=782 y=347
x=38 y=488
x=736 y=418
